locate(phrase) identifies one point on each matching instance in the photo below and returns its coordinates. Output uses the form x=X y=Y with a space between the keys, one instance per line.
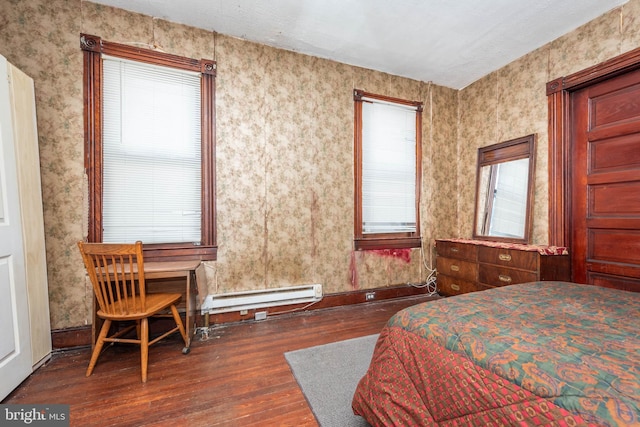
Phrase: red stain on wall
x=354 y=271
x=403 y=254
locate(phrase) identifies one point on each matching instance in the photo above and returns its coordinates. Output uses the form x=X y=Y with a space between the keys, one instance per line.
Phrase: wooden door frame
x=559 y=97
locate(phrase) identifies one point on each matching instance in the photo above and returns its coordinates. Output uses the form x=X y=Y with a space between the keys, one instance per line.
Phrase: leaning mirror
x=504 y=191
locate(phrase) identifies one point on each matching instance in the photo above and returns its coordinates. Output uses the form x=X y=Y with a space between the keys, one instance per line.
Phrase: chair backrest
x=116 y=271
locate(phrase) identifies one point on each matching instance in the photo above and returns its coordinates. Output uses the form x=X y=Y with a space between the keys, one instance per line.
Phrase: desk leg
x=96 y=324
x=190 y=325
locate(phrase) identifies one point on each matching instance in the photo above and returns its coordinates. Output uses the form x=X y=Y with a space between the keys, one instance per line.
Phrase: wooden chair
x=117 y=275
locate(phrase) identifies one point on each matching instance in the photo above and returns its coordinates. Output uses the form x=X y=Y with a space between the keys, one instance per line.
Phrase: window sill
x=363 y=244
x=180 y=253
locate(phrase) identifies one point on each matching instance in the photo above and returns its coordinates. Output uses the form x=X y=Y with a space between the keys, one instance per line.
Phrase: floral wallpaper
x=285 y=145
x=511 y=102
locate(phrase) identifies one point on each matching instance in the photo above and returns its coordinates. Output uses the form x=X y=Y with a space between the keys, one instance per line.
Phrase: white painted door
x=15 y=339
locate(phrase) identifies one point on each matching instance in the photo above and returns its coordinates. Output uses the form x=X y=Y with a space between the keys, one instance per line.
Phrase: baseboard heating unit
x=248 y=300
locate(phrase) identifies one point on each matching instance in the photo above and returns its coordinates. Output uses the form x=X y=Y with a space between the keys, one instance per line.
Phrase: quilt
x=542 y=353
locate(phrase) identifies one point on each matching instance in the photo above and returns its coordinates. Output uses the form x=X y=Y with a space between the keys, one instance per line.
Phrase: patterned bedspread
x=543 y=353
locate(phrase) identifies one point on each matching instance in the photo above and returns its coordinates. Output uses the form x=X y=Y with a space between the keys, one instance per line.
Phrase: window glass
x=151 y=153
x=388 y=168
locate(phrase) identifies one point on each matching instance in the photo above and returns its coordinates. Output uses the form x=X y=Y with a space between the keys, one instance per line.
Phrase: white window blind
x=151 y=153
x=388 y=167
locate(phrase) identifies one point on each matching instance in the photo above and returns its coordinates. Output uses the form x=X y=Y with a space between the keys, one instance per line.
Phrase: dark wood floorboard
x=236 y=377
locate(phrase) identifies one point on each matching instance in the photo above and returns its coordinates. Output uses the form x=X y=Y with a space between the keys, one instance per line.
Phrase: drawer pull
x=455 y=250
x=504 y=257
x=455 y=287
x=455 y=268
x=504 y=278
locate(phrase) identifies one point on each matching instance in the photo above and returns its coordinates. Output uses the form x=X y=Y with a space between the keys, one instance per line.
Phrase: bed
x=541 y=353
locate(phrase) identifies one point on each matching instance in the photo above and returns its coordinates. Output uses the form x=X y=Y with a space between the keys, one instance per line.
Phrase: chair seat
x=155 y=303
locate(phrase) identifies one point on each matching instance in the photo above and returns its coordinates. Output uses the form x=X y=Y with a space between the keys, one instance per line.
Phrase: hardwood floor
x=236 y=377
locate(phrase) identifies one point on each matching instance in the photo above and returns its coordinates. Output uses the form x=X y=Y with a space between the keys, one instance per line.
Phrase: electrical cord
x=430 y=281
x=293 y=310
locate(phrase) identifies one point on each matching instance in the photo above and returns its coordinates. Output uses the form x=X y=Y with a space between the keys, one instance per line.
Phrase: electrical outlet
x=370 y=296
x=244 y=312
x=261 y=315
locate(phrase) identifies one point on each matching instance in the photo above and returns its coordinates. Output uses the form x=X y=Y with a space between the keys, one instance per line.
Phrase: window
x=388 y=172
x=149 y=149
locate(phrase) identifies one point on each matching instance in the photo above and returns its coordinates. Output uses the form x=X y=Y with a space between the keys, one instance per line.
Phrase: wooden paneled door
x=604 y=182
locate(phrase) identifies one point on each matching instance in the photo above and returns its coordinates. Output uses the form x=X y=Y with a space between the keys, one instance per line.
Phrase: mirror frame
x=514 y=149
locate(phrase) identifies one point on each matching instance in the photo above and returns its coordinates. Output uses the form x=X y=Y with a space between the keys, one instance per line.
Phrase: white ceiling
x=448 y=42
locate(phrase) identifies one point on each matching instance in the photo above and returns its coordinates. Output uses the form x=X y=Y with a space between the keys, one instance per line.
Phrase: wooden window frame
x=93 y=48
x=399 y=240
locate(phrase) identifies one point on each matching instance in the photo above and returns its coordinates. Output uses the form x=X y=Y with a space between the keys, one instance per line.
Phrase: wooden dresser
x=475 y=265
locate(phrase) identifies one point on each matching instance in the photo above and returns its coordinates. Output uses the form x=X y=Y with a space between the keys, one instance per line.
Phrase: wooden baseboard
x=328 y=301
x=63 y=339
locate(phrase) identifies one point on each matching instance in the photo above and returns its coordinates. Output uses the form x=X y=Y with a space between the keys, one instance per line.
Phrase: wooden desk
x=166 y=270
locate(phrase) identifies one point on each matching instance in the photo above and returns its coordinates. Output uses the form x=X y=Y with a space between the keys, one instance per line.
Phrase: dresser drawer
x=469 y=266
x=456 y=250
x=449 y=286
x=494 y=275
x=457 y=268
x=525 y=260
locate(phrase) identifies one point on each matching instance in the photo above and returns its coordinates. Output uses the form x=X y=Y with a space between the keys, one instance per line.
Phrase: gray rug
x=328 y=375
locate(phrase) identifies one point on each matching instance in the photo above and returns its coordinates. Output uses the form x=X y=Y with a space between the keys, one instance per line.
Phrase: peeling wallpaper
x=285 y=144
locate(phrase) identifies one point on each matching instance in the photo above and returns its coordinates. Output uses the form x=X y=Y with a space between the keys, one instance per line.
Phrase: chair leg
x=98 y=347
x=144 y=347
x=178 y=319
